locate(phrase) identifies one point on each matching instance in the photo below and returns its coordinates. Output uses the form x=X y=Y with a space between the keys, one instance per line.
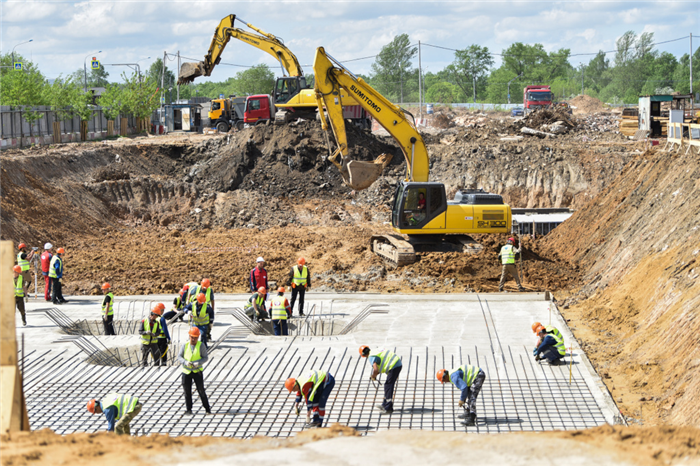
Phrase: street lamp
x=13 y=49
x=85 y=67
x=138 y=67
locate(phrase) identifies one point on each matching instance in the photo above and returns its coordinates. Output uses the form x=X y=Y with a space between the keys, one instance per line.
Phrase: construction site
x=617 y=276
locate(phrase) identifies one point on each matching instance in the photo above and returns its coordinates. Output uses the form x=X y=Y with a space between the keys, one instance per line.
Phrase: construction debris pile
x=599 y=122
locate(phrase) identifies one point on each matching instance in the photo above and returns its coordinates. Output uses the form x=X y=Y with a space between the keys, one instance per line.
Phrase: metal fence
x=13 y=124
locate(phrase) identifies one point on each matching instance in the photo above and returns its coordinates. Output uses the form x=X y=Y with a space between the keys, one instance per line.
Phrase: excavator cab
x=286 y=88
x=417 y=205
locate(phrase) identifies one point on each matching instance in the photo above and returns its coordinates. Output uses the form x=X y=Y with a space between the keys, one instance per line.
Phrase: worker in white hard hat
x=258 y=276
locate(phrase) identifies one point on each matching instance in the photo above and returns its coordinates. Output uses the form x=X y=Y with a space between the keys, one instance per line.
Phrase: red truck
x=536 y=97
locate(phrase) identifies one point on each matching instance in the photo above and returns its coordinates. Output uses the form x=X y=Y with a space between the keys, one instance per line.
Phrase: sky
x=66 y=34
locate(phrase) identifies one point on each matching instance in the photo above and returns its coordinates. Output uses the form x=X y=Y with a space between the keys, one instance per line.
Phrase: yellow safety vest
x=124 y=403
x=197 y=290
x=387 y=360
x=109 y=308
x=259 y=300
x=148 y=339
x=554 y=331
x=315 y=377
x=300 y=276
x=24 y=263
x=52 y=268
x=192 y=356
x=559 y=345
x=202 y=317
x=19 y=287
x=469 y=374
x=507 y=254
x=278 y=309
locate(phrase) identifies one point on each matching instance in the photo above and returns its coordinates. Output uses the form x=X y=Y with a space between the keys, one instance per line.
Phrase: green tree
x=165 y=79
x=442 y=92
x=111 y=101
x=392 y=69
x=469 y=67
x=256 y=80
x=60 y=95
x=22 y=88
x=139 y=96
x=681 y=74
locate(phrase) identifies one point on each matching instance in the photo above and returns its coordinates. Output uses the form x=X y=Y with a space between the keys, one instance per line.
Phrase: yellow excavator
x=420 y=209
x=292 y=97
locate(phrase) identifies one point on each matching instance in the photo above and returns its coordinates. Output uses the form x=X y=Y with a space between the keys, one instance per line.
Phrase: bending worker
x=315 y=387
x=255 y=306
x=279 y=311
x=108 y=309
x=507 y=255
x=202 y=315
x=469 y=380
x=149 y=331
x=300 y=281
x=193 y=355
x=119 y=409
x=384 y=362
x=20 y=292
x=550 y=344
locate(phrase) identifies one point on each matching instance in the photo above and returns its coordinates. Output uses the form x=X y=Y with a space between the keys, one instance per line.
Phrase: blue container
x=429 y=109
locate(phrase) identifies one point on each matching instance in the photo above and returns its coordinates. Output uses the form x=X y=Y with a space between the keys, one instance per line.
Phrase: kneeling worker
x=255 y=306
x=316 y=387
x=469 y=380
x=119 y=409
x=384 y=362
x=193 y=355
x=550 y=344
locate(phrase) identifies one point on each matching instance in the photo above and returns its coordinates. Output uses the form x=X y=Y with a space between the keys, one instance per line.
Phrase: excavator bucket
x=189 y=71
x=360 y=175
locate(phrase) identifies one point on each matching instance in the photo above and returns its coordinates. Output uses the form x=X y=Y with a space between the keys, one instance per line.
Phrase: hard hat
x=21 y=246
x=280 y=289
x=185 y=287
x=201 y=299
x=194 y=332
x=160 y=306
x=364 y=351
x=48 y=246
x=17 y=269
x=60 y=251
x=540 y=329
x=289 y=384
x=441 y=375
x=260 y=259
x=106 y=286
x=301 y=261
x=206 y=283
x=157 y=311
x=535 y=326
x=262 y=290
x=91 y=406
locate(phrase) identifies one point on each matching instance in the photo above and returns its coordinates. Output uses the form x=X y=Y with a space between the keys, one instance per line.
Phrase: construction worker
x=201 y=315
x=192 y=356
x=507 y=255
x=384 y=362
x=469 y=380
x=258 y=276
x=149 y=331
x=550 y=344
x=20 y=292
x=178 y=308
x=255 y=306
x=23 y=260
x=315 y=387
x=300 y=280
x=118 y=409
x=56 y=273
x=279 y=312
x=205 y=288
x=163 y=336
x=190 y=289
x=45 y=264
x=108 y=309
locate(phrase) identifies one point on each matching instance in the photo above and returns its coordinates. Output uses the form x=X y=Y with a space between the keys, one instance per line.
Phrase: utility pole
x=162 y=89
x=420 y=84
x=474 y=80
x=691 y=68
x=581 y=78
x=178 y=71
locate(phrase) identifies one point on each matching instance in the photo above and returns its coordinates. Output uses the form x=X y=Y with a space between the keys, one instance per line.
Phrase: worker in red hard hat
x=200 y=314
x=300 y=281
x=279 y=312
x=192 y=357
x=468 y=379
x=45 y=264
x=149 y=331
x=24 y=258
x=255 y=306
x=118 y=409
x=315 y=387
x=108 y=309
x=56 y=273
x=20 y=292
x=507 y=257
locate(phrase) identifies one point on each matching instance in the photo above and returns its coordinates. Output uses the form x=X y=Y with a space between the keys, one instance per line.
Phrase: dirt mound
x=586 y=105
x=547 y=116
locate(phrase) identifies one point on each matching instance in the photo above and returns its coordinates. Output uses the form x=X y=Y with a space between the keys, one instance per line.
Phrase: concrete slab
x=245 y=376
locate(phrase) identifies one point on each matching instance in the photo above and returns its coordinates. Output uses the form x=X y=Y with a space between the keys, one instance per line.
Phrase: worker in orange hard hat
x=193 y=355
x=200 y=315
x=163 y=335
x=507 y=256
x=24 y=258
x=118 y=409
x=300 y=281
x=279 y=312
x=550 y=344
x=468 y=379
x=20 y=292
x=108 y=309
x=315 y=387
x=149 y=331
x=255 y=306
x=56 y=273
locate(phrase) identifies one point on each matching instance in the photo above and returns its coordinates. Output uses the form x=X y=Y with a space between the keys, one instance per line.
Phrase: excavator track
x=393 y=249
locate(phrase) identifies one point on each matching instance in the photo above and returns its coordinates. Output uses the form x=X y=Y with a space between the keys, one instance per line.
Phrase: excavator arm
x=330 y=77
x=223 y=33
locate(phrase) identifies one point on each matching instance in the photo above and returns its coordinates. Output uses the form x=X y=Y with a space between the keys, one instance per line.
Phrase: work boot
x=24 y=322
x=188 y=412
x=471 y=420
x=301 y=314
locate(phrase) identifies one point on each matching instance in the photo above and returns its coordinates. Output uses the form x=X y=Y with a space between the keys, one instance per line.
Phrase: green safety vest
x=259 y=300
x=178 y=303
x=124 y=403
x=109 y=308
x=148 y=339
x=507 y=254
x=202 y=317
x=24 y=263
x=559 y=345
x=192 y=356
x=278 y=309
x=52 y=268
x=469 y=374
x=197 y=290
x=300 y=276
x=315 y=377
x=19 y=287
x=554 y=331
x=387 y=360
